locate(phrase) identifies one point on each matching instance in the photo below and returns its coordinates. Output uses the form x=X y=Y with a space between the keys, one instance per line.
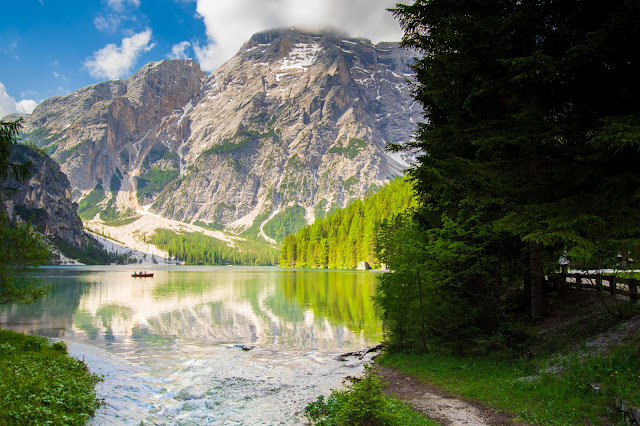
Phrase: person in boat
x=135 y=273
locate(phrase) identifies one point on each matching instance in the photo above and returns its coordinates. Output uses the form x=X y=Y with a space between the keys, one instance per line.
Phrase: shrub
x=362 y=403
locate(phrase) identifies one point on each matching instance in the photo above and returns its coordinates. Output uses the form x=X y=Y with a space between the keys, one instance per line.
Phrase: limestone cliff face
x=294 y=119
x=45 y=198
x=92 y=131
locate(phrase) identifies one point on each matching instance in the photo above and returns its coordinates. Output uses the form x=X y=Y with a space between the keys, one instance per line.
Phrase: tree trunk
x=537 y=281
x=526 y=279
x=423 y=330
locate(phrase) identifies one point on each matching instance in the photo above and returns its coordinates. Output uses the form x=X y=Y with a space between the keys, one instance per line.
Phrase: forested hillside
x=200 y=249
x=347 y=236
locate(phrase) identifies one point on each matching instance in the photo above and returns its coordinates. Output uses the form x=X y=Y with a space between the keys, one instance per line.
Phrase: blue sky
x=53 y=47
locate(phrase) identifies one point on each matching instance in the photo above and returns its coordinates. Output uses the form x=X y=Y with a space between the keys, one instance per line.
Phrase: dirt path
x=437 y=404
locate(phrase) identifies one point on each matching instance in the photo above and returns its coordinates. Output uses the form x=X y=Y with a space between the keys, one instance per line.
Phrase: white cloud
x=119 y=5
x=112 y=61
x=179 y=51
x=26 y=106
x=106 y=23
x=230 y=23
x=8 y=105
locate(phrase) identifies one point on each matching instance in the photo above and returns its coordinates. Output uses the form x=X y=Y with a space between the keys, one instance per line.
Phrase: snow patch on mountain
x=302 y=56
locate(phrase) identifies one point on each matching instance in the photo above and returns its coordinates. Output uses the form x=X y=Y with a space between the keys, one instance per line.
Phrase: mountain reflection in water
x=165 y=344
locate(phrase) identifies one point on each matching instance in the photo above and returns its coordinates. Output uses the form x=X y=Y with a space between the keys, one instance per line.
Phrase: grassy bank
x=363 y=403
x=578 y=365
x=41 y=384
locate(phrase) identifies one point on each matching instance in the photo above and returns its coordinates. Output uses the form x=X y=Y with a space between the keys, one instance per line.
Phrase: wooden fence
x=599 y=282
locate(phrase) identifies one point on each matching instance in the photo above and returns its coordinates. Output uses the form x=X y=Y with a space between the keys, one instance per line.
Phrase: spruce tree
x=532 y=132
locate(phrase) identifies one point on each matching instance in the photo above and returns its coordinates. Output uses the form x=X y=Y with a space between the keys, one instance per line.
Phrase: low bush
x=362 y=403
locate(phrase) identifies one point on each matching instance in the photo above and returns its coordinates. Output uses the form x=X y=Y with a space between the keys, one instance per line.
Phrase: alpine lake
x=207 y=345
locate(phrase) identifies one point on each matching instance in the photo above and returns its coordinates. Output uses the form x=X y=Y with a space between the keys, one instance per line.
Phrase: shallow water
x=165 y=345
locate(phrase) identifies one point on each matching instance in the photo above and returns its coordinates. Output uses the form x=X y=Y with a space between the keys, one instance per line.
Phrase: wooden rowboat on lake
x=142 y=275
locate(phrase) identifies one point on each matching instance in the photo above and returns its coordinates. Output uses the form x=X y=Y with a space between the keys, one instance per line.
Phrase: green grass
x=88 y=206
x=532 y=391
x=363 y=403
x=41 y=384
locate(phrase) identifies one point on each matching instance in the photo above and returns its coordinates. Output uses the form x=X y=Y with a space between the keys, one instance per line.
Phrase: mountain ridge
x=293 y=119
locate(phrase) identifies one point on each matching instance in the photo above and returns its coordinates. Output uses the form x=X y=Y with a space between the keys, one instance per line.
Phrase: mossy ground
x=575 y=367
x=41 y=384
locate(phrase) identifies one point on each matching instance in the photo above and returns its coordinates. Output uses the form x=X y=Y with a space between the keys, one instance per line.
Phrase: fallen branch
x=360 y=354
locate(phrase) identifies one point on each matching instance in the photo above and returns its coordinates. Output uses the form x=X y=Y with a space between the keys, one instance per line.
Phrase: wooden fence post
x=537 y=281
x=633 y=289
x=612 y=285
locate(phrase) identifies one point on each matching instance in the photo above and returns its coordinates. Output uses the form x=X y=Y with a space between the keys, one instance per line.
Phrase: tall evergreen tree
x=532 y=138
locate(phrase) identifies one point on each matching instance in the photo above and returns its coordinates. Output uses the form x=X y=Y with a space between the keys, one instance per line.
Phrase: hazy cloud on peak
x=230 y=23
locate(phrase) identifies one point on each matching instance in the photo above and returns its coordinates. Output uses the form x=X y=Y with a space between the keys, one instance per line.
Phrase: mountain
x=44 y=199
x=290 y=128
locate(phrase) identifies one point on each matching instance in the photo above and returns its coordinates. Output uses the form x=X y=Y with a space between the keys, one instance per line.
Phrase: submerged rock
x=244 y=347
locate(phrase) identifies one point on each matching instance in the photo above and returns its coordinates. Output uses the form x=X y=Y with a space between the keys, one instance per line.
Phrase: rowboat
x=142 y=275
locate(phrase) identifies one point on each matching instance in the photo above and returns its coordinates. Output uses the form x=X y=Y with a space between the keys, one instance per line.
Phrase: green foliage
x=239 y=140
x=288 y=221
x=457 y=277
x=37 y=137
x=362 y=403
x=41 y=384
x=114 y=185
x=319 y=209
x=112 y=217
x=62 y=156
x=561 y=395
x=43 y=139
x=8 y=138
x=88 y=206
x=200 y=249
x=154 y=181
x=227 y=145
x=157 y=153
x=254 y=230
x=350 y=151
x=349 y=183
x=521 y=160
x=92 y=253
x=22 y=249
x=346 y=237
x=215 y=226
x=289 y=252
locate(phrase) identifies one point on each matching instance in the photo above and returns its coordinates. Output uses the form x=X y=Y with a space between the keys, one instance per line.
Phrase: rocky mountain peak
x=291 y=127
